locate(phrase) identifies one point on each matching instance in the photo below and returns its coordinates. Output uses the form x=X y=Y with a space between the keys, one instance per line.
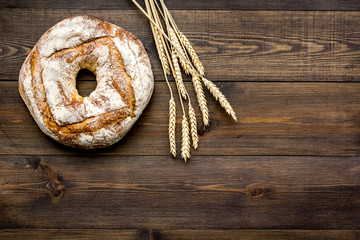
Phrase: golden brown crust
x=92 y=130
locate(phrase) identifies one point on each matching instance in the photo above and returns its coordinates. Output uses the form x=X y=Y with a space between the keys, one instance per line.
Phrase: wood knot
x=54 y=183
x=58 y=191
x=256 y=191
x=54 y=180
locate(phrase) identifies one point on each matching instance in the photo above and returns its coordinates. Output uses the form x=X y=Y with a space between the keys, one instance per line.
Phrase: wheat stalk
x=177 y=75
x=173 y=48
x=181 y=55
x=219 y=96
x=161 y=51
x=159 y=27
x=193 y=127
x=172 y=122
x=194 y=57
x=201 y=98
x=185 y=144
x=159 y=40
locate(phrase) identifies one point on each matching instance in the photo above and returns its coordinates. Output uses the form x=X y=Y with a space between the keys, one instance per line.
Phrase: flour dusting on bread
x=47 y=82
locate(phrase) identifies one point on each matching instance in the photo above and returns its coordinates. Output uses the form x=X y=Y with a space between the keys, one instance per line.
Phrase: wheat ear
x=193 y=127
x=181 y=55
x=185 y=144
x=219 y=96
x=201 y=98
x=161 y=51
x=194 y=57
x=177 y=75
x=172 y=121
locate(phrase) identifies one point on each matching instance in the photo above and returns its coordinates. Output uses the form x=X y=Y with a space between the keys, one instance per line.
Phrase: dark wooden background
x=289 y=169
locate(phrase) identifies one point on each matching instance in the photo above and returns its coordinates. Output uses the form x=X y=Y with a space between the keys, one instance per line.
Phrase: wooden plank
x=233 y=45
x=258 y=234
x=54 y=234
x=85 y=191
x=335 y=5
x=273 y=119
x=149 y=234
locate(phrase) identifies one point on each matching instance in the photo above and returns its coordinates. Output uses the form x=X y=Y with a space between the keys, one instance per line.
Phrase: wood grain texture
x=289 y=169
x=58 y=234
x=273 y=119
x=184 y=234
x=233 y=45
x=256 y=234
x=188 y=4
x=154 y=192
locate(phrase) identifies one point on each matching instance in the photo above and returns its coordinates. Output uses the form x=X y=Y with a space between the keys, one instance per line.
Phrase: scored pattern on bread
x=47 y=82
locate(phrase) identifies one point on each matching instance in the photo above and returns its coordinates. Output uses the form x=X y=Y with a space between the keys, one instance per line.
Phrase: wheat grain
x=185 y=144
x=193 y=127
x=177 y=75
x=185 y=65
x=158 y=39
x=172 y=121
x=194 y=57
x=181 y=53
x=161 y=51
x=201 y=98
x=219 y=96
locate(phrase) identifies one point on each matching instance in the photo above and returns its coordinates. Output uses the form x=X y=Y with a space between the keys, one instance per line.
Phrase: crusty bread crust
x=47 y=82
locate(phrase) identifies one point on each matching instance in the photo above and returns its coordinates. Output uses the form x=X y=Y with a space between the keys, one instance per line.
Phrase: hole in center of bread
x=85 y=82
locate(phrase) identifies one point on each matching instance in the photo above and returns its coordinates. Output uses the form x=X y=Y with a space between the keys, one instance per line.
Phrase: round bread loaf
x=47 y=82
